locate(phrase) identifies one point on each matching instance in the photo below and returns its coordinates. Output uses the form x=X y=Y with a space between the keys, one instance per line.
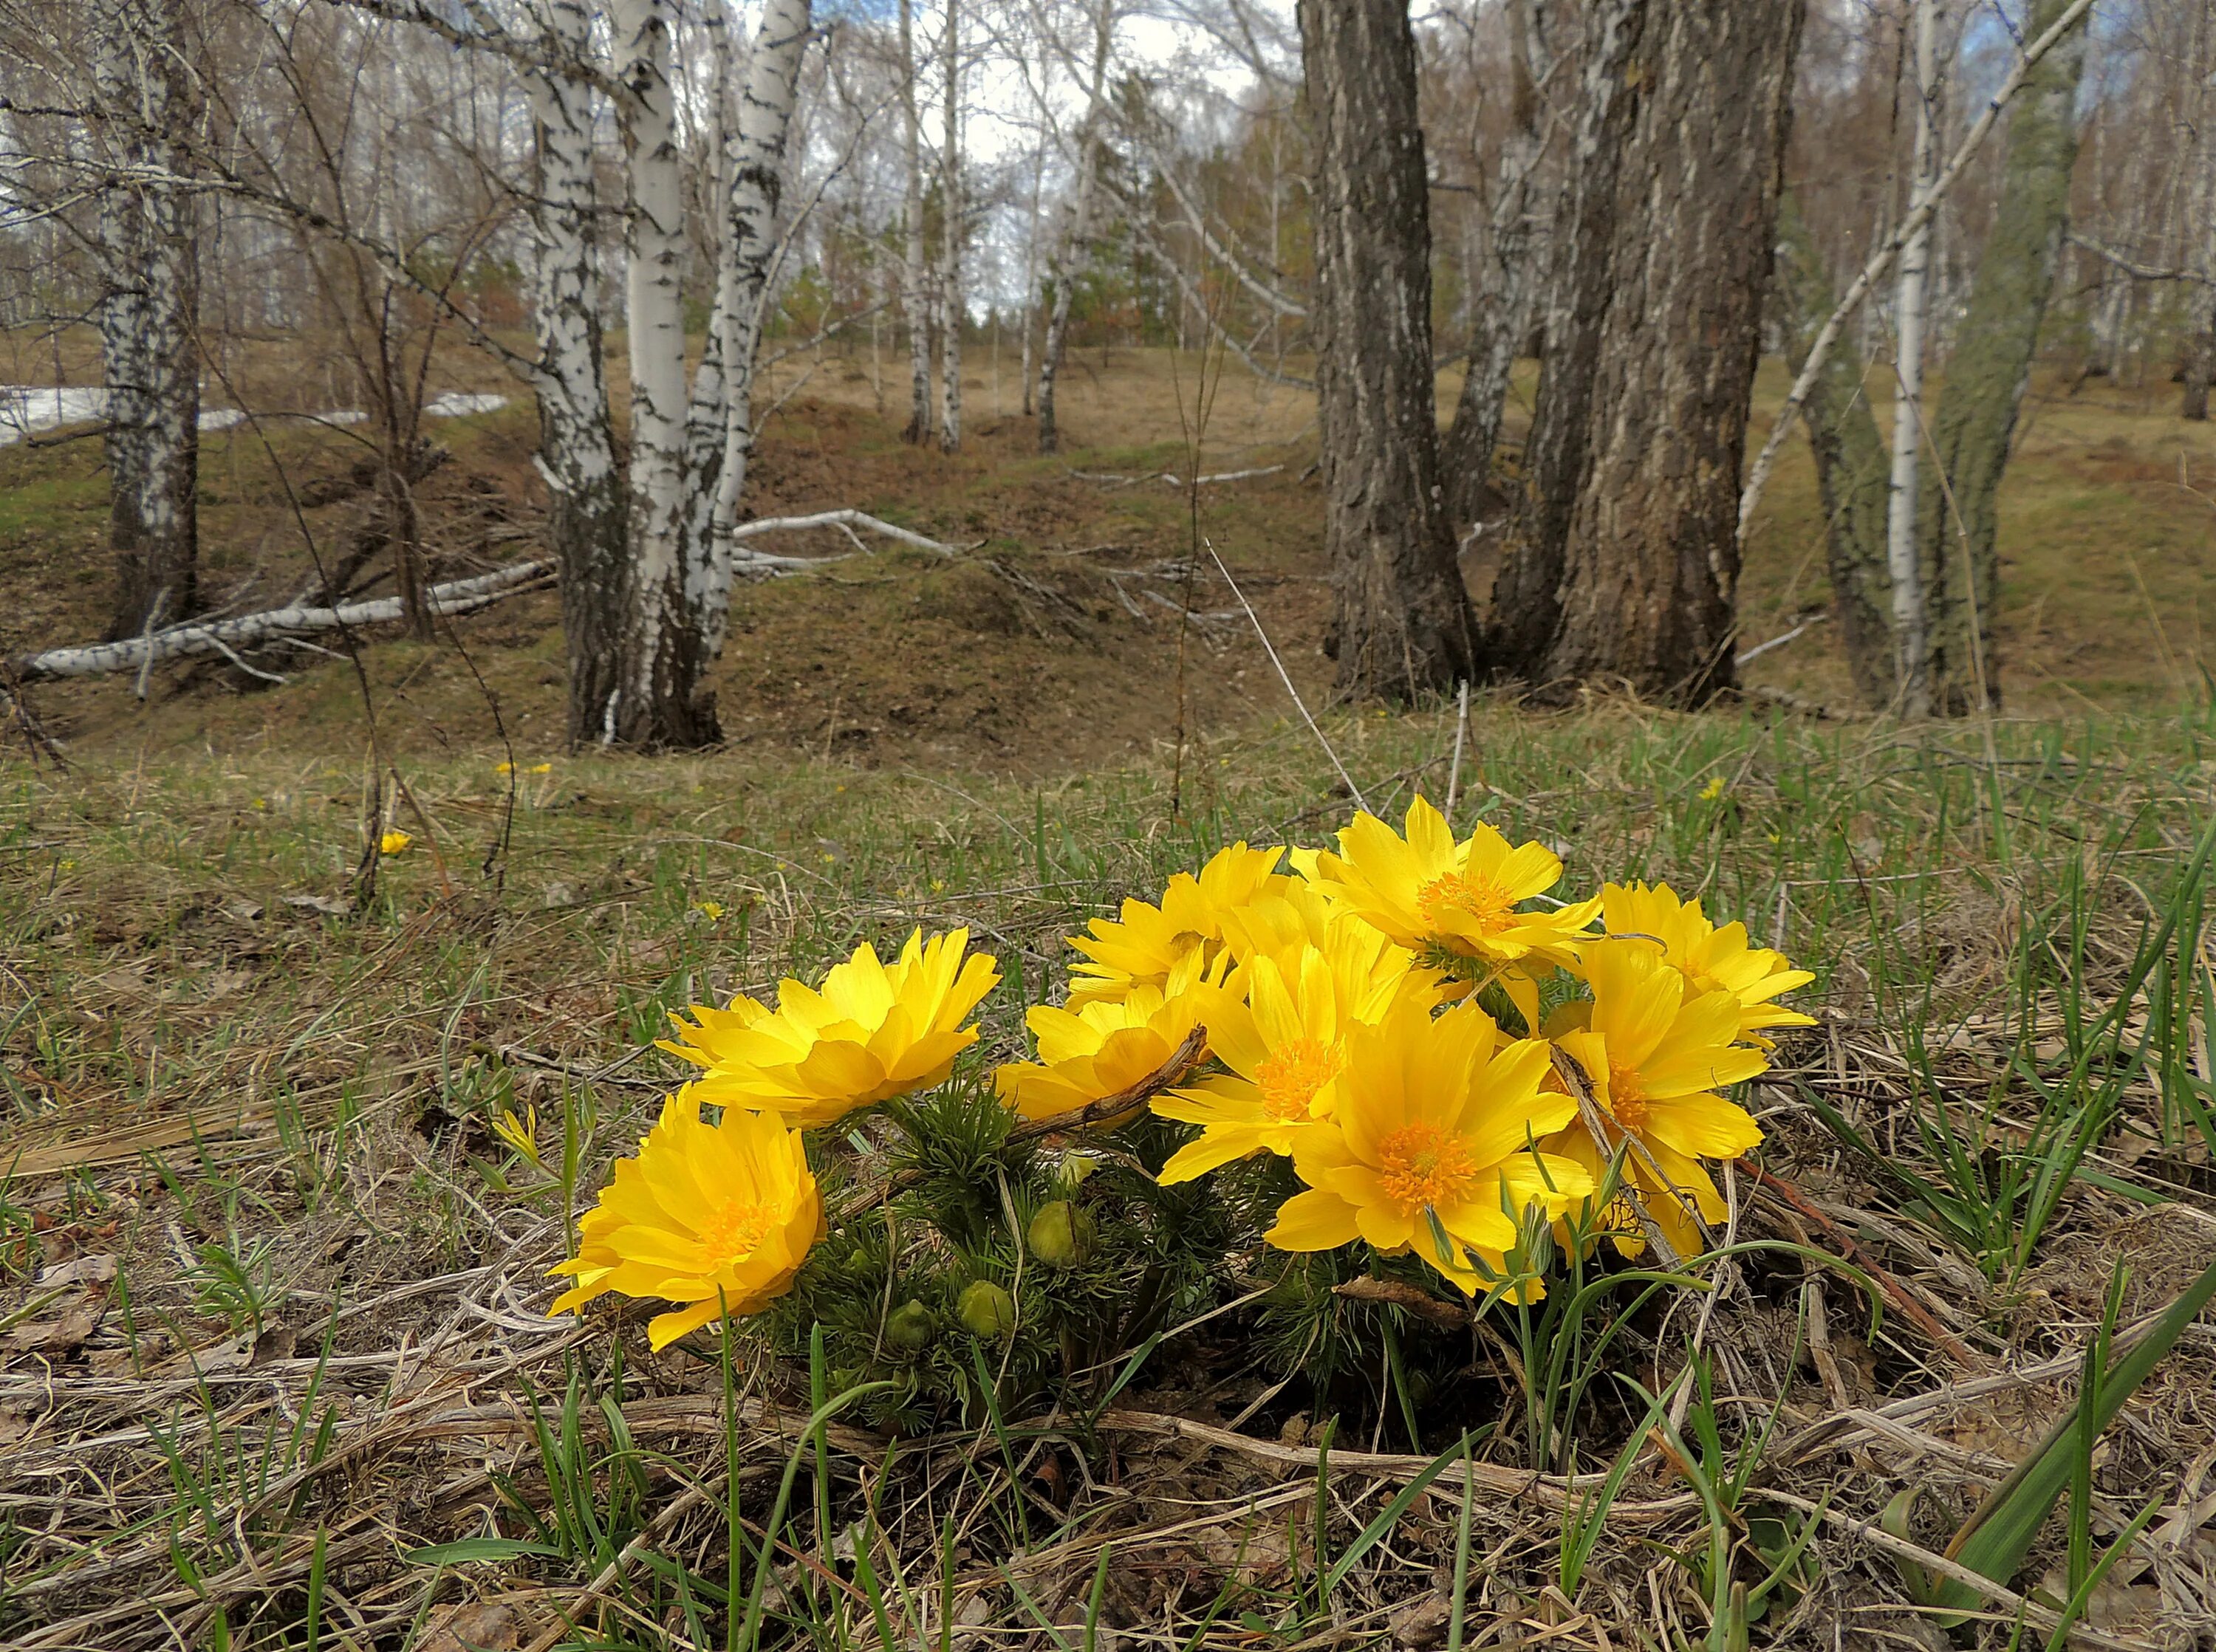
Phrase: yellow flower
x=536 y=768
x=1431 y=1137
x=393 y=843
x=874 y=1031
x=717 y=1217
x=1711 y=959
x=1654 y=1055
x=522 y=1134
x=1145 y=942
x=1099 y=1049
x=1713 y=789
x=1430 y=894
x=711 y=909
x=261 y=802
x=1280 y=1023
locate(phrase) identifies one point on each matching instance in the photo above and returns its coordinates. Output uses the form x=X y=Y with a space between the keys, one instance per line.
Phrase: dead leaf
x=62 y=1337
x=79 y=1270
x=473 y=1626
x=323 y=903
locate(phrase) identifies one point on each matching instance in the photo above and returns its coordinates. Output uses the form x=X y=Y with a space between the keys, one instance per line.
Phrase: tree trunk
x=756 y=185
x=914 y=306
x=2200 y=230
x=1639 y=512
x=1526 y=608
x=1989 y=373
x=1504 y=296
x=951 y=304
x=662 y=702
x=586 y=509
x=1850 y=465
x=1402 y=622
x=1074 y=235
x=147 y=316
x=1912 y=291
x=1027 y=311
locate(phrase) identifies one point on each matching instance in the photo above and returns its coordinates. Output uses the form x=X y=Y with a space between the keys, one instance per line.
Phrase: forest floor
x=272 y=1290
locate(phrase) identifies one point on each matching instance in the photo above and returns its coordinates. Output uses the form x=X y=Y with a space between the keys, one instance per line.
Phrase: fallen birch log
x=844 y=521
x=247 y=630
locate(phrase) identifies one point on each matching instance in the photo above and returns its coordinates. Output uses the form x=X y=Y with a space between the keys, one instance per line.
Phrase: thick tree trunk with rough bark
x=1402 y=623
x=1501 y=316
x=916 y=307
x=1989 y=371
x=147 y=315
x=1526 y=607
x=1850 y=466
x=1630 y=550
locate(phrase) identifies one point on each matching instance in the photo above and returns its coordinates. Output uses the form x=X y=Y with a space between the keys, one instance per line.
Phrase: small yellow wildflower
x=394 y=843
x=711 y=909
x=874 y=1031
x=1430 y=894
x=1713 y=789
x=715 y=1217
x=1428 y=1149
x=1095 y=1050
x=261 y=802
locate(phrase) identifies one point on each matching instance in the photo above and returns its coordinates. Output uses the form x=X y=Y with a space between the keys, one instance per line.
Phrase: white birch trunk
x=757 y=182
x=586 y=518
x=914 y=306
x=149 y=299
x=951 y=297
x=656 y=705
x=1076 y=229
x=1909 y=620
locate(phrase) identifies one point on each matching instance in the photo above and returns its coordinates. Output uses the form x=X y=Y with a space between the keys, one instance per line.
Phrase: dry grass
x=274 y=1291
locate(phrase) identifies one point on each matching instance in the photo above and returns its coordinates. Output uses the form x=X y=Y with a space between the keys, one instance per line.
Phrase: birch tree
x=1074 y=222
x=1989 y=373
x=952 y=302
x=915 y=306
x=1625 y=566
x=1908 y=434
x=144 y=103
x=1502 y=307
x=1402 y=623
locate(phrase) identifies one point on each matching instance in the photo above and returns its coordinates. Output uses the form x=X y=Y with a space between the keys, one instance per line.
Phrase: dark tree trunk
x=1851 y=466
x=1627 y=568
x=1526 y=592
x=1501 y=316
x=1958 y=518
x=2200 y=367
x=148 y=316
x=1402 y=622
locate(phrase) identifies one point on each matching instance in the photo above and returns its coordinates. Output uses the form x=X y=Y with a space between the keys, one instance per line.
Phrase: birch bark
x=1908 y=432
x=1074 y=230
x=914 y=306
x=952 y=300
x=586 y=520
x=1500 y=313
x=767 y=98
x=144 y=93
x=1990 y=368
x=1402 y=623
x=660 y=701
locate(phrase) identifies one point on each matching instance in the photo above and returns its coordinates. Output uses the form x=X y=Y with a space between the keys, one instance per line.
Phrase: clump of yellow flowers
x=1444 y=1054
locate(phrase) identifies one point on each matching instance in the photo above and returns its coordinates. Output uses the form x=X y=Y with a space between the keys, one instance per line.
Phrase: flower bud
x=910 y=1327
x=1074 y=1171
x=1061 y=1235
x=986 y=1311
